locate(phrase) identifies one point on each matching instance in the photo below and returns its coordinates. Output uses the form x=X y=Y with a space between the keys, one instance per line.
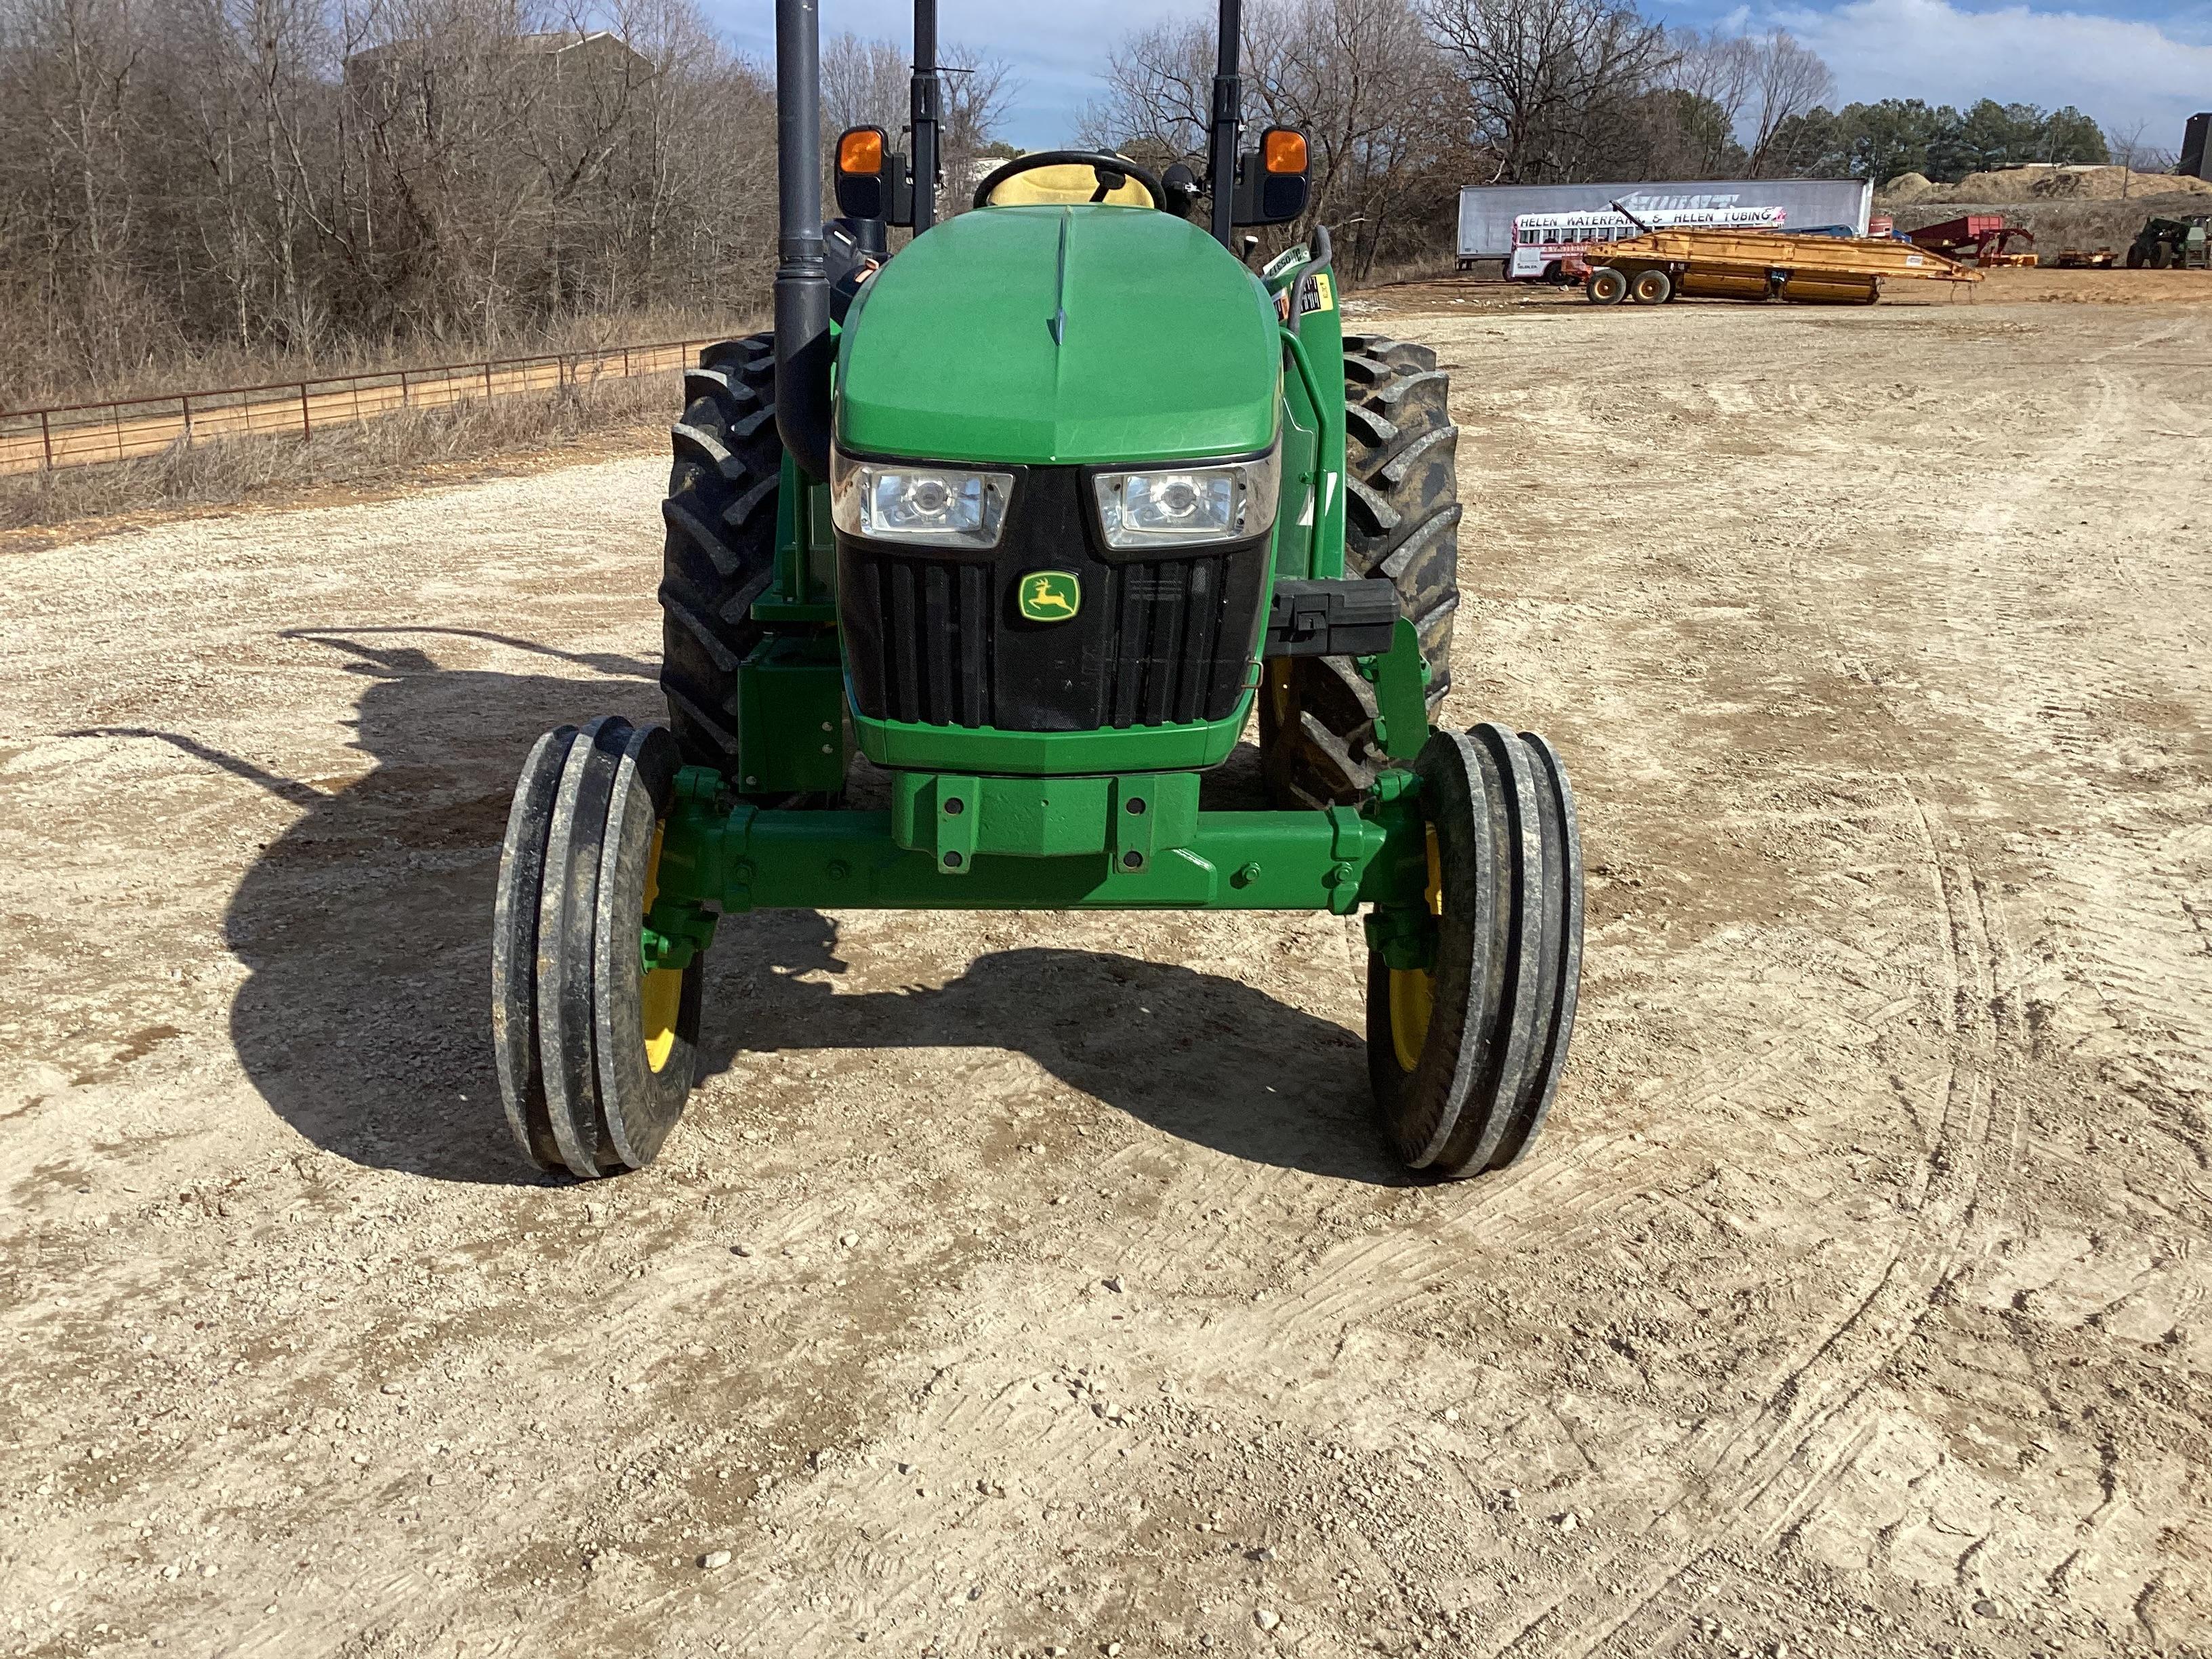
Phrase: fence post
x=487 y=380
x=403 y=388
x=115 y=419
x=46 y=436
x=187 y=401
x=306 y=424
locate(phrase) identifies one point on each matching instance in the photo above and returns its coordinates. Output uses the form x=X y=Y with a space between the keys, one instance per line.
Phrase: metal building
x=1486 y=212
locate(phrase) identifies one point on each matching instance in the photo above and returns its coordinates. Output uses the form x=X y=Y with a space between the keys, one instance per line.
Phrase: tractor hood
x=1060 y=334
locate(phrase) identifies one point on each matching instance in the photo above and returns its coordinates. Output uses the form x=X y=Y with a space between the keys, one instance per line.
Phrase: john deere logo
x=1050 y=595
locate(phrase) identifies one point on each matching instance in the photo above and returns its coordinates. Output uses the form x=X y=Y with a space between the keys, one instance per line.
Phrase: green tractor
x=1033 y=513
x=2172 y=244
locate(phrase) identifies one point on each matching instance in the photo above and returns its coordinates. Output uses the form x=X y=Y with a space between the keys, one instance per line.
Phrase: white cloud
x=2119 y=71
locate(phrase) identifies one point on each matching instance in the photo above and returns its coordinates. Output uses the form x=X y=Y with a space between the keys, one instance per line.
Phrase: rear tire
x=1605 y=286
x=720 y=550
x=1401 y=516
x=1651 y=288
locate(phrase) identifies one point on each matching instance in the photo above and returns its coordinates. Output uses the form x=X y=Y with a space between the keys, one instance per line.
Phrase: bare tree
x=1159 y=87
x=2133 y=155
x=1361 y=79
x=1382 y=114
x=863 y=83
x=1788 y=80
x=1542 y=75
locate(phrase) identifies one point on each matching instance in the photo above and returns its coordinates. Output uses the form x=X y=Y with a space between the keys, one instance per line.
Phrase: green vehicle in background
x=1037 y=513
x=2172 y=244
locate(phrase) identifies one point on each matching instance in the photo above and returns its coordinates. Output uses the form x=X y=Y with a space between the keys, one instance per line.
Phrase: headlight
x=1174 y=506
x=927 y=506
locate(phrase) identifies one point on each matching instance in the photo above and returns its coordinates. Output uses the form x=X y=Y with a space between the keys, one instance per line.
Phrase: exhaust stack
x=802 y=281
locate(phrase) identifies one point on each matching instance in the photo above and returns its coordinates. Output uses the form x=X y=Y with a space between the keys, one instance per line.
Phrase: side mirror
x=1271 y=180
x=871 y=180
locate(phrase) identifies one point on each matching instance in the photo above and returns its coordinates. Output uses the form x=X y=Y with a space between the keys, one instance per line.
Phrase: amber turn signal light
x=1283 y=150
x=861 y=150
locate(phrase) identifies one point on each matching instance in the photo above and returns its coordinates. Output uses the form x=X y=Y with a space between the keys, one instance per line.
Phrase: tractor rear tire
x=720 y=550
x=1465 y=1055
x=1402 y=514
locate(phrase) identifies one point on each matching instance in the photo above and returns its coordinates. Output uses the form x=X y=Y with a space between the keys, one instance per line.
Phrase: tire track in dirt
x=1759 y=1472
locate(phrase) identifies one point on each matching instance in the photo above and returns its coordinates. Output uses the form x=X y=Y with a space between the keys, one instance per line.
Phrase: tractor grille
x=936 y=638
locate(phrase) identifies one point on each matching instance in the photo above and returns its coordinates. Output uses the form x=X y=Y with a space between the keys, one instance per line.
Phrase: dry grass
x=405 y=447
x=30 y=379
x=1424 y=268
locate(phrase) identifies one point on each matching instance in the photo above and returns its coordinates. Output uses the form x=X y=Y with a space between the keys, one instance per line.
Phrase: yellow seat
x=1071 y=181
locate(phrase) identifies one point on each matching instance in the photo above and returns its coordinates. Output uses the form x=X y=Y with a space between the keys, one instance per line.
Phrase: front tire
x=1605 y=286
x=596 y=1053
x=1465 y=1055
x=1402 y=514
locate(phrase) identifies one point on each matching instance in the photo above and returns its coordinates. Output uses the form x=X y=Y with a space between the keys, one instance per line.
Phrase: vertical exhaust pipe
x=1228 y=121
x=923 y=115
x=802 y=282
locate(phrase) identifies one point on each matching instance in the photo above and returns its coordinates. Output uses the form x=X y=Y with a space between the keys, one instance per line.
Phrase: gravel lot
x=1034 y=1283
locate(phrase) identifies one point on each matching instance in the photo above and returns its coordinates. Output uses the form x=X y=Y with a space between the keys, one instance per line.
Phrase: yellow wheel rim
x=661 y=997
x=1413 y=990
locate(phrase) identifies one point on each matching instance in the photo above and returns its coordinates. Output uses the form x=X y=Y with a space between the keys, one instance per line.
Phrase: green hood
x=1060 y=334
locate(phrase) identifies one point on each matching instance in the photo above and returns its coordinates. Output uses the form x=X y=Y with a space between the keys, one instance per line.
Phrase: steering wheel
x=1112 y=171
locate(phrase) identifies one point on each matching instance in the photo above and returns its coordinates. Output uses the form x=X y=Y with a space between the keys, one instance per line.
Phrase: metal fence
x=87 y=434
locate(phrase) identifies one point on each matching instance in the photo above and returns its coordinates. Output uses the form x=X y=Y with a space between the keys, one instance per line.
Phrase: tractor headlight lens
x=1172 y=507
x=929 y=506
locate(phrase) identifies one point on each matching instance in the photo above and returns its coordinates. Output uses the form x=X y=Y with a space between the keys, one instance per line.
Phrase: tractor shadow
x=364 y=927
x=1200 y=1055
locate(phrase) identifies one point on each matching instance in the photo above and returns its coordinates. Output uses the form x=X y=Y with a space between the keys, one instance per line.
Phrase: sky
x=2129 y=64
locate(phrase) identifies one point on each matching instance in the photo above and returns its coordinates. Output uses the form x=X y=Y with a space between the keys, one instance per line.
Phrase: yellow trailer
x=1657 y=265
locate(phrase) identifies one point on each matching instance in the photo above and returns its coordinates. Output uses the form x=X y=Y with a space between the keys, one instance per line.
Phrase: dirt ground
x=1034 y=1285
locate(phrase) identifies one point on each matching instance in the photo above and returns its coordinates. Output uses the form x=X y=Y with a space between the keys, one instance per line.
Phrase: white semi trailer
x=1487 y=212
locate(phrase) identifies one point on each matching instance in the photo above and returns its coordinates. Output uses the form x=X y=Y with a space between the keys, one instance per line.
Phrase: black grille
x=938 y=639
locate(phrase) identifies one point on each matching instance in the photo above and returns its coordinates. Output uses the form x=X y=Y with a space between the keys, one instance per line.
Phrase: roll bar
x=1228 y=121
x=926 y=95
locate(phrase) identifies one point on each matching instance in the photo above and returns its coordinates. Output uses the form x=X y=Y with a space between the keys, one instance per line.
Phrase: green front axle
x=1129 y=841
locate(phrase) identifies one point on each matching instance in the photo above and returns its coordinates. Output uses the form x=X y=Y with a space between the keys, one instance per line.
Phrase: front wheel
x=1605 y=286
x=595 y=1047
x=1465 y=1053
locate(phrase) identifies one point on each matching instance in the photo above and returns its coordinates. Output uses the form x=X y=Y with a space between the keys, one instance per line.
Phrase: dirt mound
x=1908 y=187
x=2047 y=184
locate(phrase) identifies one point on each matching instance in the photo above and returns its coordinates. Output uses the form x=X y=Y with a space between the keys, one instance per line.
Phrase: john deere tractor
x=1040 y=512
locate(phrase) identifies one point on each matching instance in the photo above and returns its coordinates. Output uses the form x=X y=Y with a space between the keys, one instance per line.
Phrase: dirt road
x=1033 y=1284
